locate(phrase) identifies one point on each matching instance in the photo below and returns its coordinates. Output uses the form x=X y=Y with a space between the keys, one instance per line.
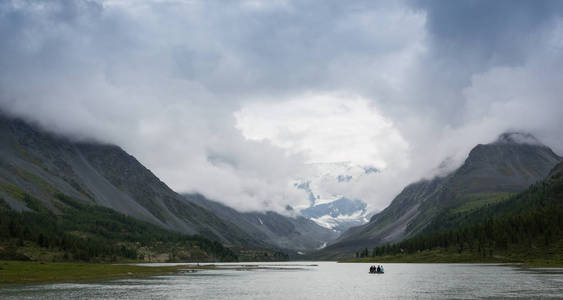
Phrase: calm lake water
x=317 y=280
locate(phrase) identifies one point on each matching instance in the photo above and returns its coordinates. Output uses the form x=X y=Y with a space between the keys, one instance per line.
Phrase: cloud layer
x=230 y=99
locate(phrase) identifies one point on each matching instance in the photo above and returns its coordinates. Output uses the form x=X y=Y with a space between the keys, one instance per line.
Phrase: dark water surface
x=316 y=280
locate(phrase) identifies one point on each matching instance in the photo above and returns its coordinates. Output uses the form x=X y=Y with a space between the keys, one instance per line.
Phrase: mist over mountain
x=515 y=137
x=293 y=233
x=44 y=165
x=490 y=174
x=339 y=214
x=252 y=92
x=293 y=120
x=331 y=202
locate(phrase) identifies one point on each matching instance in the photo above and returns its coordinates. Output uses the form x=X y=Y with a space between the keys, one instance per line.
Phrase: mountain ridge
x=491 y=173
x=288 y=233
x=43 y=164
x=526 y=228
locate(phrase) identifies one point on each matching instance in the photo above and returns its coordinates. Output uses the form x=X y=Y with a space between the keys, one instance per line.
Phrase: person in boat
x=371 y=269
x=381 y=269
x=378 y=268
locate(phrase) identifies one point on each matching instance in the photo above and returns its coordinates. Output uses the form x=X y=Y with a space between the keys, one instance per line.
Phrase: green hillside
x=527 y=227
x=44 y=164
x=83 y=232
x=491 y=174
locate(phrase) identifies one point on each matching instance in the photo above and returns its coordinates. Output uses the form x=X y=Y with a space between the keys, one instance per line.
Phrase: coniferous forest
x=83 y=232
x=526 y=226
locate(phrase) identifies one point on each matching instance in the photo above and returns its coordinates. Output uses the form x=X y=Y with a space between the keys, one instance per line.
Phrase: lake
x=316 y=280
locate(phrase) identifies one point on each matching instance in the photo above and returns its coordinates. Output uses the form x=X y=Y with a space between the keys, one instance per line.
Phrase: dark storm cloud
x=467 y=39
x=142 y=74
x=488 y=33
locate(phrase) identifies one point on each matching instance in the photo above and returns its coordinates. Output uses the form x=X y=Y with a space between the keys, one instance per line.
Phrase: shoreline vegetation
x=440 y=256
x=20 y=272
x=526 y=228
x=95 y=234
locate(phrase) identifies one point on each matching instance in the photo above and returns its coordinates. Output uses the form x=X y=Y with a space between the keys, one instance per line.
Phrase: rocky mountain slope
x=526 y=228
x=490 y=174
x=284 y=232
x=339 y=214
x=42 y=165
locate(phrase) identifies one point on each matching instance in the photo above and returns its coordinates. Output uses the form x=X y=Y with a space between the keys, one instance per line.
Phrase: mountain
x=44 y=166
x=490 y=174
x=86 y=232
x=339 y=214
x=294 y=233
x=526 y=228
x=330 y=209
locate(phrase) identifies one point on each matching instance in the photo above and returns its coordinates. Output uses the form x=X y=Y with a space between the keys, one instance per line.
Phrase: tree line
x=526 y=222
x=87 y=232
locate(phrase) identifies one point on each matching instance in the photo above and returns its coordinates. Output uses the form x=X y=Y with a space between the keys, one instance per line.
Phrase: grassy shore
x=17 y=272
x=440 y=256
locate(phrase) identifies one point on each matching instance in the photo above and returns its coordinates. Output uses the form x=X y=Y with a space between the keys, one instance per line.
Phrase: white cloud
x=326 y=128
x=333 y=128
x=376 y=83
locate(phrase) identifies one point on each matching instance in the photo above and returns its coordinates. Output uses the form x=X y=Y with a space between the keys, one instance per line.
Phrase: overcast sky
x=236 y=99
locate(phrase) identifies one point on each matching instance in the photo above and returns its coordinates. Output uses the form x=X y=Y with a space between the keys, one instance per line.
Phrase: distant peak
x=515 y=137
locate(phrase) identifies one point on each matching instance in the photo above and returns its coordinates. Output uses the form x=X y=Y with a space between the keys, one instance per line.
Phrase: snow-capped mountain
x=339 y=214
x=329 y=206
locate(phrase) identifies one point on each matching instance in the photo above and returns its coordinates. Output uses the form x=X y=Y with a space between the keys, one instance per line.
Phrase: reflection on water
x=318 y=280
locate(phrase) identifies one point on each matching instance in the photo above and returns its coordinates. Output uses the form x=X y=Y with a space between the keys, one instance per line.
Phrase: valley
x=258 y=149
x=66 y=201
x=491 y=174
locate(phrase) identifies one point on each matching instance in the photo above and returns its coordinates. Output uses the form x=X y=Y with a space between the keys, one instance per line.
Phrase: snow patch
x=341 y=221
